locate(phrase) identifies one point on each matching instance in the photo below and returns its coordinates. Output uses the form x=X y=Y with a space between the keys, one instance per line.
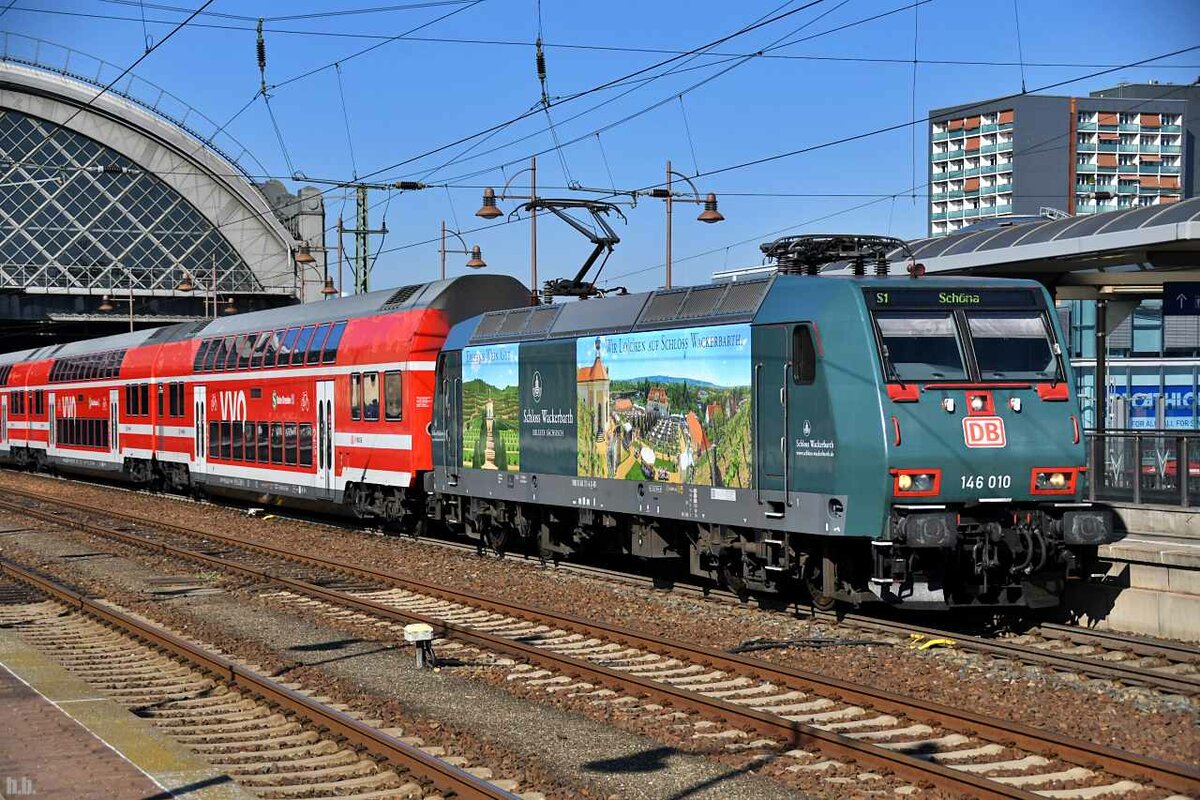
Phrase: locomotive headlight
x=1058 y=480
x=948 y=404
x=916 y=483
x=1052 y=481
x=977 y=403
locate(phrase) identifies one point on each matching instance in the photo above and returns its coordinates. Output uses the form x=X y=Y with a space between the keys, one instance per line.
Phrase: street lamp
x=304 y=259
x=476 y=255
x=190 y=284
x=709 y=215
x=106 y=306
x=489 y=210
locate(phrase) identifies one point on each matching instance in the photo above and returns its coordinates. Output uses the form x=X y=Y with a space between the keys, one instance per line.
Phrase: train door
x=448 y=438
x=200 y=431
x=52 y=423
x=326 y=471
x=771 y=345
x=114 y=427
x=4 y=420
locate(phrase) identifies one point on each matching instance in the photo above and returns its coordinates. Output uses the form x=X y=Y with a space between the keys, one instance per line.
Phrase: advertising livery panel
x=670 y=406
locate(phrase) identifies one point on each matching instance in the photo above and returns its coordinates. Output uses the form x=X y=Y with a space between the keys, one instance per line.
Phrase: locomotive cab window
x=804 y=356
x=393 y=396
x=1013 y=344
x=918 y=346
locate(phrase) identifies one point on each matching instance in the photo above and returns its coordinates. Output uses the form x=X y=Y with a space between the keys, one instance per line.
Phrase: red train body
x=320 y=404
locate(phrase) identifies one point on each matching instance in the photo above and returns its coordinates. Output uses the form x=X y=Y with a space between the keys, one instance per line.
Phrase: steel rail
x=1170 y=775
x=445 y=777
x=1188 y=685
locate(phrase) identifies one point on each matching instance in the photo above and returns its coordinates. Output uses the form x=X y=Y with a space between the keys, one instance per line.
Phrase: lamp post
x=190 y=283
x=476 y=255
x=489 y=211
x=304 y=260
x=106 y=306
x=709 y=215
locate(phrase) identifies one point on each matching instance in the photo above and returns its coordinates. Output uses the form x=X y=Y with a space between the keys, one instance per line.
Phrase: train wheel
x=814 y=581
x=732 y=577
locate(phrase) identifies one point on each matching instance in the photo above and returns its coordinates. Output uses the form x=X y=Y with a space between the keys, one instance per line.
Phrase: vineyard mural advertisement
x=491 y=408
x=670 y=406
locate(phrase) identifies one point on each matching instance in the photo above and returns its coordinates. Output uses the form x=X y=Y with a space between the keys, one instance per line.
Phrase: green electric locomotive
x=910 y=440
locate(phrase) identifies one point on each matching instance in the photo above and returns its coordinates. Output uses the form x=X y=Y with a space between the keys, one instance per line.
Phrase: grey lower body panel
x=797 y=512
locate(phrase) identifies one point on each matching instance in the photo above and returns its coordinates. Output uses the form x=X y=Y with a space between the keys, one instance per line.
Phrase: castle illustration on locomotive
x=853 y=437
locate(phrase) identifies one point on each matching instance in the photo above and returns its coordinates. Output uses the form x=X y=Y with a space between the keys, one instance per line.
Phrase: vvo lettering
x=983 y=432
x=232 y=404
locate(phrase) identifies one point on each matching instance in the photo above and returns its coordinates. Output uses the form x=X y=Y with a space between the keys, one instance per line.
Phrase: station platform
x=1152 y=582
x=59 y=737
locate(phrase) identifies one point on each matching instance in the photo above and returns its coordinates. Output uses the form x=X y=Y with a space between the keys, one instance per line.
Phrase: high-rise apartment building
x=1128 y=146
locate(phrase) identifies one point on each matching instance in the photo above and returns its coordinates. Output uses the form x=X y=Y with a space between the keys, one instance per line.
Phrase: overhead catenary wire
x=1020 y=48
x=687 y=128
x=337 y=68
x=1035 y=147
x=622 y=49
x=311 y=15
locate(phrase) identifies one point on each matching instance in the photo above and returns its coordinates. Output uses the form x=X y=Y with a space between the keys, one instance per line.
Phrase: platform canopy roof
x=1119 y=251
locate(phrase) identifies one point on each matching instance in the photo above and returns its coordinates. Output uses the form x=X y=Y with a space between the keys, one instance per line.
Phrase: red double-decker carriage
x=319 y=404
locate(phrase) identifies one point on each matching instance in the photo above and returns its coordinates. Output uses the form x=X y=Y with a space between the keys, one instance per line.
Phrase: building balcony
x=1003 y=209
x=938 y=215
x=1166 y=170
x=1148 y=148
x=1086 y=126
x=1129 y=127
x=1171 y=129
x=954 y=214
x=941 y=137
x=991 y=127
x=1108 y=147
x=1085 y=167
x=1130 y=148
x=954 y=173
x=1170 y=149
x=1127 y=189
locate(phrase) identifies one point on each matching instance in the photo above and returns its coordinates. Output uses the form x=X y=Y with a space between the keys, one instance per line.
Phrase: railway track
x=1126 y=659
x=275 y=739
x=956 y=750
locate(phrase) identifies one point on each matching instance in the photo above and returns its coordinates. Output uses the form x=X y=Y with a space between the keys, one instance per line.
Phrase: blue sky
x=632 y=356
x=407 y=97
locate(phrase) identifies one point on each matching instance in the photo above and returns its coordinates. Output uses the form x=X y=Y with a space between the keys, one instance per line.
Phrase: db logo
x=983 y=432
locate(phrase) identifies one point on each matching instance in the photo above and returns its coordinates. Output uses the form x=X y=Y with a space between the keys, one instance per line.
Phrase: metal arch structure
x=121 y=195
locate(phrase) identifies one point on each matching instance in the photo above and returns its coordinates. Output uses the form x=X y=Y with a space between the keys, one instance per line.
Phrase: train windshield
x=1014 y=344
x=920 y=346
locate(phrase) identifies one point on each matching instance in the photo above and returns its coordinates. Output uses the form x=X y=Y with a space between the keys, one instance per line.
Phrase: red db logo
x=983 y=431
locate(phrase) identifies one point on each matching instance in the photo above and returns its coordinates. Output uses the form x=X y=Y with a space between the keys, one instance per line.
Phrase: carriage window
x=201 y=352
x=215 y=354
x=302 y=345
x=393 y=396
x=370 y=395
x=356 y=395
x=238 y=441
x=314 y=346
x=160 y=391
x=306 y=444
x=251 y=450
x=1013 y=345
x=214 y=440
x=919 y=346
x=276 y=443
x=329 y=354
x=285 y=350
x=231 y=353
x=274 y=341
x=289 y=443
x=264 y=443
x=226 y=440
x=260 y=347
x=144 y=399
x=245 y=348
